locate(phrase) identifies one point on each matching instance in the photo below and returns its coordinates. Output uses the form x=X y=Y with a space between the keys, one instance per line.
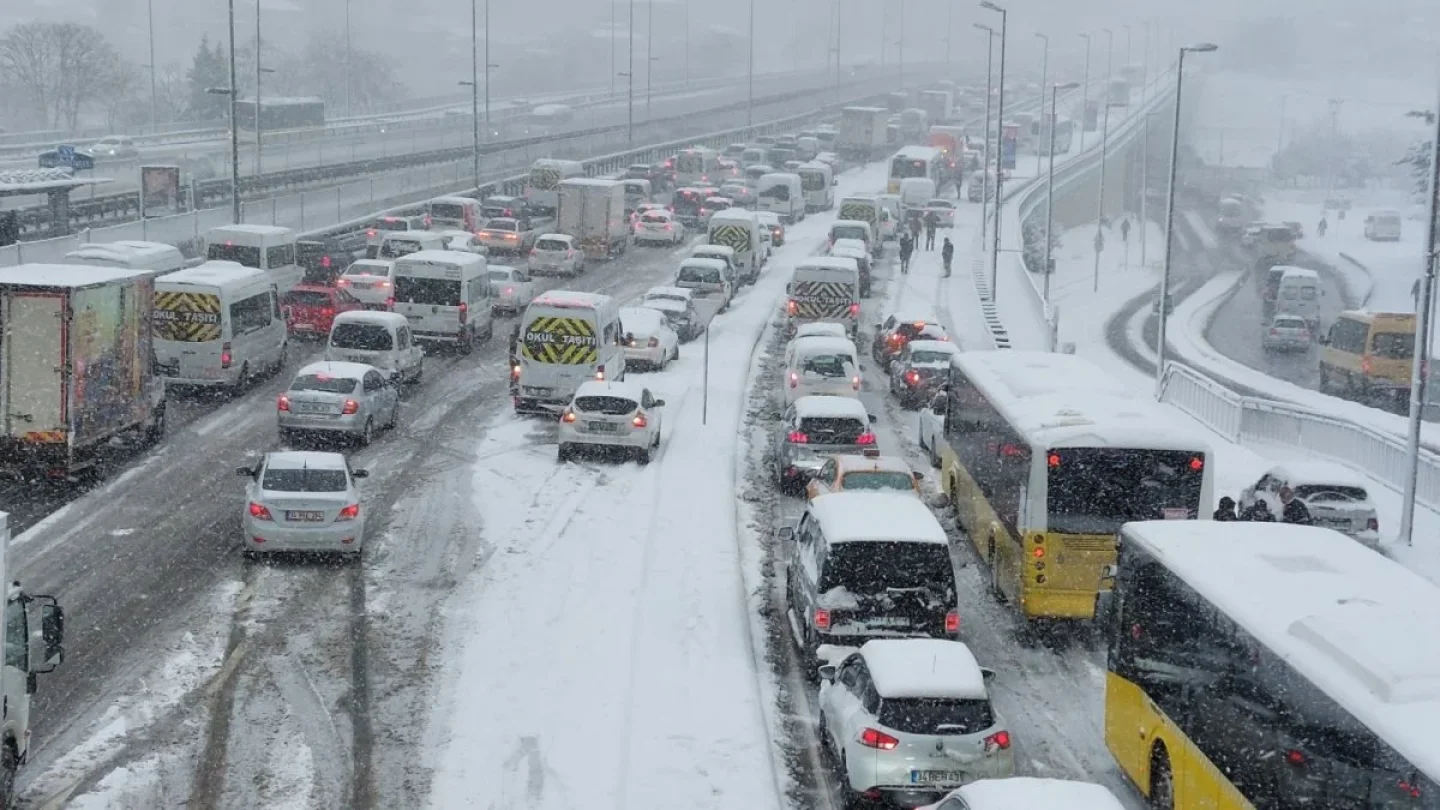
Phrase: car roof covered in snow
x=768 y=217
x=822 y=406
x=1032 y=793
x=1063 y=400
x=887 y=517
x=337 y=368
x=391 y=319
x=923 y=668
x=705 y=262
x=66 y=275
x=849 y=223
x=933 y=346
x=214 y=273
x=828 y=263
x=304 y=460
x=1300 y=273
x=1339 y=614
x=719 y=250
x=823 y=344
x=641 y=319
x=625 y=389
x=571 y=299
x=820 y=329
x=670 y=292
x=1302 y=473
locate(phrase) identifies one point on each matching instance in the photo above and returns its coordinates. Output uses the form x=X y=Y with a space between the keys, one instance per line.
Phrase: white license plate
x=932 y=777
x=888 y=621
x=310 y=407
x=362 y=285
x=304 y=517
x=603 y=427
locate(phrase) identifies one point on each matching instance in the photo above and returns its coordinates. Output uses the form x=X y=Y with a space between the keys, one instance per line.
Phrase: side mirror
x=877 y=328
x=827 y=673
x=46 y=650
x=785 y=534
x=659 y=403
x=988 y=674
x=245 y=471
x=359 y=473
x=1324 y=340
x=874 y=419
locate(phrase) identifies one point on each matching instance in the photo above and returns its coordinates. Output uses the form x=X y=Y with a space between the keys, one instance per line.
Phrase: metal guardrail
x=1241 y=419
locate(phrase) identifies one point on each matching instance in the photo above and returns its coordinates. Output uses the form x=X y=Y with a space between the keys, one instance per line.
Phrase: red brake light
x=1295 y=757
x=1408 y=788
x=639 y=421
x=1274 y=331
x=822 y=619
x=534 y=252
x=1365 y=364
x=1000 y=740
x=791 y=307
x=325 y=262
x=259 y=512
x=464 y=312
x=794 y=380
x=865 y=439
x=952 y=621
x=1054 y=460
x=351 y=407
x=349 y=513
x=225 y=356
x=509 y=290
x=798 y=437
x=669 y=226
x=874 y=738
x=600 y=374
x=855 y=382
x=1197 y=464
x=370 y=232
x=654 y=342
x=568 y=416
x=1373 y=524
x=283 y=403
x=390 y=303
x=912 y=377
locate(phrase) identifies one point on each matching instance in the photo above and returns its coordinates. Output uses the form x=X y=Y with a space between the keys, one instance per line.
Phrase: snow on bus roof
x=65 y=275
x=858 y=517
x=923 y=668
x=1342 y=615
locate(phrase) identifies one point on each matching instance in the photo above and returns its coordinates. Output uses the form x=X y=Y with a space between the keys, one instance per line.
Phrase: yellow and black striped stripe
x=545 y=179
x=735 y=237
x=823 y=299
x=861 y=212
x=562 y=341
x=189 y=317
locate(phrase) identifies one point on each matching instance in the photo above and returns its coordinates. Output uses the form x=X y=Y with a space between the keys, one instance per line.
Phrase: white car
x=909 y=720
x=303 y=501
x=115 y=146
x=820 y=329
x=463 y=241
x=678 y=306
x=659 y=228
x=932 y=427
x=351 y=400
x=1336 y=497
x=390 y=224
x=370 y=281
x=644 y=208
x=1028 y=793
x=511 y=288
x=867 y=472
x=556 y=254
x=609 y=414
x=649 y=340
x=942 y=209
x=771 y=220
x=823 y=366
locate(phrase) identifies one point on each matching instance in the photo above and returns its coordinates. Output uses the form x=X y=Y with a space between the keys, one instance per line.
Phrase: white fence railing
x=1244 y=420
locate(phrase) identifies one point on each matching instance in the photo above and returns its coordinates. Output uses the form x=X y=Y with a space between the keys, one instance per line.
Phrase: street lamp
x=474 y=131
x=1420 y=372
x=649 y=51
x=1050 y=198
x=999 y=151
x=1085 y=93
x=348 y=109
x=258 y=126
x=1104 y=152
x=985 y=155
x=629 y=75
x=1202 y=47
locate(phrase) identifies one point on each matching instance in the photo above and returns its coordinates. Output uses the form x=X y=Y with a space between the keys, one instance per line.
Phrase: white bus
x=1045 y=456
x=915 y=161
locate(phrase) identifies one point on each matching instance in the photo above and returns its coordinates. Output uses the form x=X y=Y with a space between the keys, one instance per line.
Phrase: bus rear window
x=248 y=256
x=1095 y=490
x=1393 y=346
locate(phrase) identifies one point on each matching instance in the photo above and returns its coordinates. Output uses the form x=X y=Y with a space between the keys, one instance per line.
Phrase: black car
x=323 y=260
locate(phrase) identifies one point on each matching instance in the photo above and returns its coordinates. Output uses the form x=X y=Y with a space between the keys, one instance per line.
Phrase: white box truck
x=77 y=365
x=32 y=635
x=862 y=137
x=593 y=211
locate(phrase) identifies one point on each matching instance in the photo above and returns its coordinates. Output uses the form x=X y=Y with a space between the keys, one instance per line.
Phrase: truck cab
x=32 y=636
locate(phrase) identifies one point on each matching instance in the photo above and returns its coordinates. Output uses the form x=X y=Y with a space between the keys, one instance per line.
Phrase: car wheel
x=156 y=430
x=562 y=454
x=242 y=381
x=394 y=415
x=282 y=359
x=367 y=433
x=467 y=343
x=644 y=455
x=419 y=372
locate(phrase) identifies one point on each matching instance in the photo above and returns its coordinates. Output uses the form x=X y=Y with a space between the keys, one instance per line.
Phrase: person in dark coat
x=1226 y=510
x=932 y=221
x=1294 y=511
x=1259 y=511
x=915 y=226
x=947 y=254
x=907 y=247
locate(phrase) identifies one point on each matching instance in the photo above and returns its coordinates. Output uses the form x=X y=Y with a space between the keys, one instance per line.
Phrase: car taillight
x=822 y=619
x=259 y=512
x=1274 y=331
x=509 y=290
x=1365 y=365
x=654 y=342
x=600 y=374
x=639 y=421
x=534 y=252
x=865 y=438
x=349 y=513
x=283 y=403
x=912 y=377
x=570 y=254
x=854 y=309
x=369 y=233
x=794 y=380
x=325 y=262
x=1373 y=524
x=669 y=227
x=952 y=621
x=351 y=407
x=390 y=303
x=464 y=312
x=328 y=312
x=797 y=437
x=791 y=307
x=225 y=356
x=342 y=282
x=568 y=416
x=855 y=382
x=515 y=372
x=874 y=738
x=1000 y=740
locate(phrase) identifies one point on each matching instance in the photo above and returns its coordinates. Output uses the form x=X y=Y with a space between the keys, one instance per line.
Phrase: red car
x=310 y=309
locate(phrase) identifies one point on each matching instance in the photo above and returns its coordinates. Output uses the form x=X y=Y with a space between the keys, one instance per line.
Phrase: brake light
x=999 y=740
x=874 y=738
x=390 y=304
x=952 y=621
x=912 y=377
x=515 y=372
x=794 y=380
x=865 y=439
x=225 y=357
x=283 y=403
x=791 y=307
x=797 y=437
x=1373 y=524
x=328 y=312
x=342 y=282
x=1295 y=757
x=534 y=252
x=600 y=374
x=822 y=619
x=1406 y=787
x=349 y=513
x=464 y=312
x=1365 y=364
x=1274 y=331
x=639 y=421
x=855 y=382
x=654 y=342
x=570 y=254
x=370 y=232
x=669 y=227
x=259 y=512
x=351 y=407
x=568 y=416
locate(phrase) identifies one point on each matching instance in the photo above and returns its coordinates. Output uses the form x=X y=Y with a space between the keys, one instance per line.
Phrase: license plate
x=362 y=285
x=304 y=517
x=931 y=777
x=414 y=318
x=888 y=621
x=602 y=427
x=311 y=407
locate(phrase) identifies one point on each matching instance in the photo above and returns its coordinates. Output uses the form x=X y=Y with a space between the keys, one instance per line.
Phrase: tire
x=286 y=436
x=1162 y=781
x=155 y=431
x=562 y=454
x=644 y=455
x=9 y=764
x=394 y=416
x=282 y=359
x=419 y=372
x=466 y=344
x=367 y=433
x=242 y=382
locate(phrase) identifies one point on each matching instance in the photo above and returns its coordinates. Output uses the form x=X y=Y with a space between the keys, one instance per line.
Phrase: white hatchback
x=302 y=501
x=824 y=366
x=511 y=288
x=659 y=227
x=556 y=254
x=370 y=281
x=611 y=415
x=649 y=340
x=1028 y=792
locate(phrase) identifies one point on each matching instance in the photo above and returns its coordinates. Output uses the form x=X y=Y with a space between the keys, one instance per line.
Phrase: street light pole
x=612 y=48
x=900 y=43
x=985 y=154
x=1085 y=94
x=1203 y=47
x=1420 y=372
x=488 y=130
x=1144 y=186
x=1128 y=56
x=649 y=51
x=234 y=127
x=999 y=152
x=750 y=72
x=258 y=170
x=475 y=94
x=630 y=82
x=1044 y=74
x=1104 y=153
x=348 y=109
x=154 y=105
x=1050 y=197
x=949 y=34
x=685 y=4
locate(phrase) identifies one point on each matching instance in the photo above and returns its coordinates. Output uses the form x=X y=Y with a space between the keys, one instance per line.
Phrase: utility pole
x=154 y=105
x=258 y=169
x=1000 y=152
x=750 y=72
x=488 y=130
x=234 y=126
x=1085 y=93
x=1144 y=186
x=985 y=150
x=1104 y=153
x=630 y=80
x=1419 y=374
x=649 y=51
x=1334 y=146
x=475 y=96
x=612 y=48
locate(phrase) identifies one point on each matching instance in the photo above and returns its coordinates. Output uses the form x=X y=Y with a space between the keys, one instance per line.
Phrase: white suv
x=909 y=720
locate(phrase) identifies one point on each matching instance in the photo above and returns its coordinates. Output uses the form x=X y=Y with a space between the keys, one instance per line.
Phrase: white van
x=157 y=257
x=1383 y=226
x=1299 y=295
x=697 y=166
x=821 y=366
x=724 y=253
x=542 y=187
x=379 y=339
x=781 y=192
x=446 y=296
x=916 y=191
x=217 y=325
x=709 y=282
x=394 y=244
x=458 y=213
x=824 y=290
x=741 y=231
x=754 y=156
x=853 y=229
x=266 y=247
x=817 y=180
x=566 y=338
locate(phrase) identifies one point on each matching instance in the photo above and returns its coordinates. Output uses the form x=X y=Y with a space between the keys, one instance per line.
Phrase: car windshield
x=392 y=225
x=609 y=406
x=369 y=337
x=1096 y=490
x=825 y=365
x=936 y=716
x=502 y=225
x=868 y=480
x=875 y=567
x=309 y=298
x=427 y=291
x=242 y=254
x=447 y=210
x=1289 y=323
x=498 y=275
x=552 y=245
x=302 y=480
x=327 y=383
x=658 y=219
x=918 y=358
x=849 y=232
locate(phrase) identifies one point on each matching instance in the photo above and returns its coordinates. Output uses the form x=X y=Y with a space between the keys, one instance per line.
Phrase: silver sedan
x=350 y=400
x=302 y=501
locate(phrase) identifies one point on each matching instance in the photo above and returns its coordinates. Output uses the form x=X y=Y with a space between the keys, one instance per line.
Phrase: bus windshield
x=1095 y=490
x=902 y=167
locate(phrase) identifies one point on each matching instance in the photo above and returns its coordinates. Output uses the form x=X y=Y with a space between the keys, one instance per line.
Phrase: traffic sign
x=66 y=154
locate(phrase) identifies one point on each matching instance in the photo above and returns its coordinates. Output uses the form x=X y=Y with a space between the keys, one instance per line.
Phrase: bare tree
x=60 y=66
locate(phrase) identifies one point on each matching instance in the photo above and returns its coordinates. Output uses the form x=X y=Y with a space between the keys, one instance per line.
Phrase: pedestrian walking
x=1125 y=230
x=915 y=228
x=907 y=247
x=947 y=254
x=1322 y=227
x=932 y=221
x=1259 y=511
x=1226 y=510
x=1294 y=511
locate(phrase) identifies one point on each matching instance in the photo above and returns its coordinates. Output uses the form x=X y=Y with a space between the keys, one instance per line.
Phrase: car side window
x=17 y=636
x=866 y=691
x=253 y=313
x=521 y=276
x=372 y=381
x=849 y=674
x=827 y=472
x=402 y=338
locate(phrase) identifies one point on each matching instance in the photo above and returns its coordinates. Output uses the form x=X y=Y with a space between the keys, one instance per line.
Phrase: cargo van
x=445 y=294
x=1368 y=354
x=156 y=257
x=218 y=325
x=866 y=209
x=566 y=338
x=542 y=187
x=741 y=231
x=916 y=191
x=458 y=213
x=781 y=193
x=817 y=180
x=1299 y=295
x=265 y=247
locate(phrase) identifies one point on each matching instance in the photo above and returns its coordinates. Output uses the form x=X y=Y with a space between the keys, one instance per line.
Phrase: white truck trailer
x=593 y=211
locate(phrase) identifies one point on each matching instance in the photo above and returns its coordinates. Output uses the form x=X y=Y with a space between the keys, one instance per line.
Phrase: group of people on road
x=1293 y=510
x=908 y=241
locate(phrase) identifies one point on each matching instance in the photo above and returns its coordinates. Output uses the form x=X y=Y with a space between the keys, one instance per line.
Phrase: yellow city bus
x=1271 y=666
x=1044 y=457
